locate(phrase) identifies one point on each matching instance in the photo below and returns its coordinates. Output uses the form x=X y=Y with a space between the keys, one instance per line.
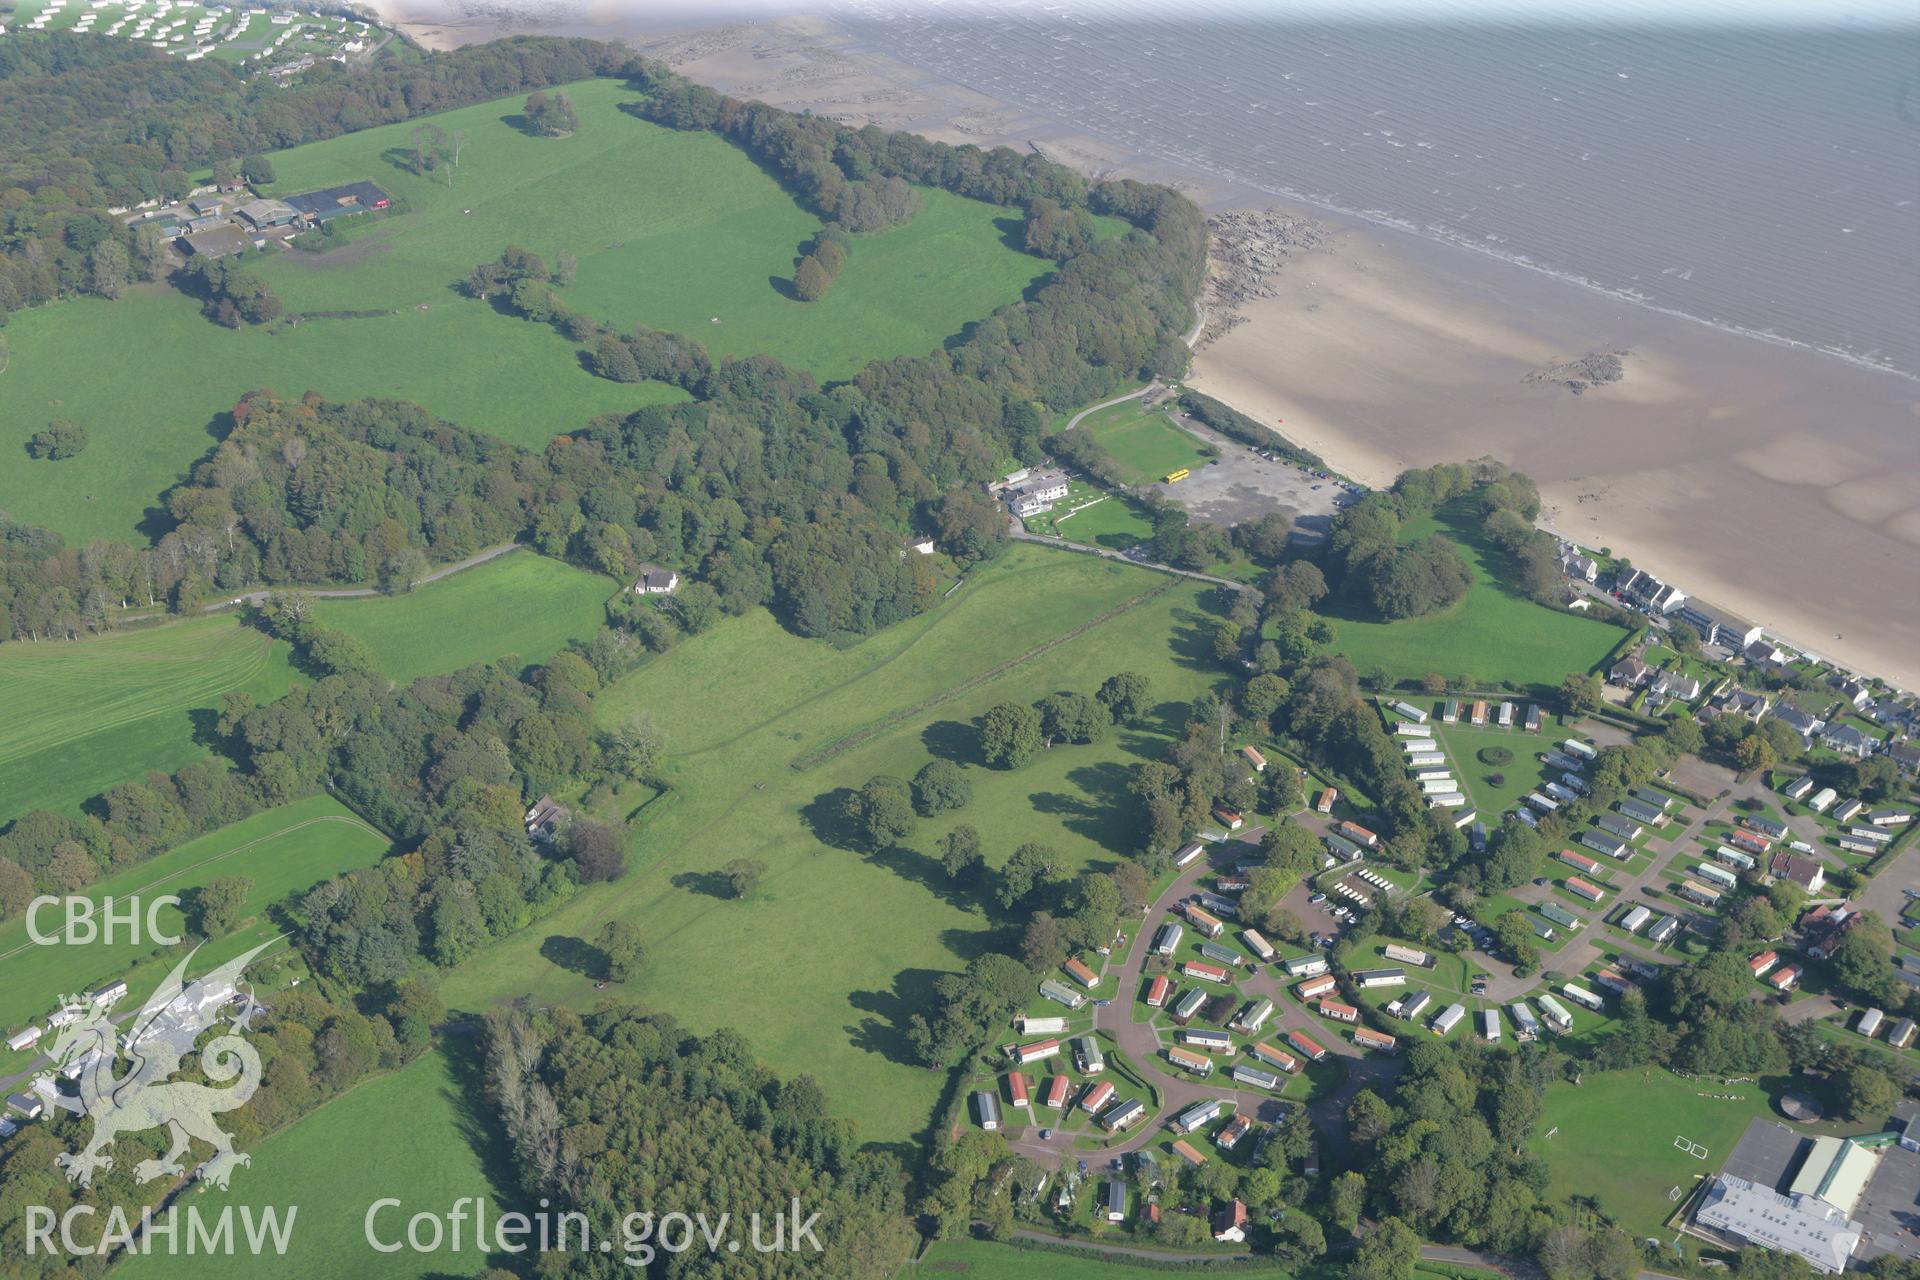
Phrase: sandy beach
x=1776 y=483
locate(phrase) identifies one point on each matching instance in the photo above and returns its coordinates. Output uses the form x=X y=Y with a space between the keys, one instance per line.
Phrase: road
x=1074 y=421
x=1019 y=534
x=354 y=593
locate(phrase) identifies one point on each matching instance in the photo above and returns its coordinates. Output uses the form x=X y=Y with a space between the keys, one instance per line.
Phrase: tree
x=216 y=907
x=1389 y=1252
x=403 y=570
x=1125 y=696
x=939 y=786
x=1072 y=717
x=810 y=280
x=743 y=875
x=1580 y=693
x=1031 y=869
x=1867 y=1094
x=258 y=170
x=599 y=851
x=882 y=811
x=110 y=264
x=1516 y=940
x=1753 y=752
x=637 y=745
x=63 y=438
x=1010 y=734
x=960 y=855
x=619 y=941
x=550 y=115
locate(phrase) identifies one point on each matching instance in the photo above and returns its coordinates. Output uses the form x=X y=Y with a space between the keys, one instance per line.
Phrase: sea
x=1759 y=176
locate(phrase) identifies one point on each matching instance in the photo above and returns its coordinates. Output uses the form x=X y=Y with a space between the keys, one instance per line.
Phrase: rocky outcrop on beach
x=1248 y=248
x=1594 y=369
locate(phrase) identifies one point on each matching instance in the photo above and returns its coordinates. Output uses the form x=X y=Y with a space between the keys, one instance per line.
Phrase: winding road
x=355 y=593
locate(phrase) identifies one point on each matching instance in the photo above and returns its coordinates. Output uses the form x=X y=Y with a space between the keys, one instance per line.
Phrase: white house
x=655 y=581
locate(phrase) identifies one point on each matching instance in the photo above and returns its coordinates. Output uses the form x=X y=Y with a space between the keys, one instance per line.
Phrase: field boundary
x=819 y=756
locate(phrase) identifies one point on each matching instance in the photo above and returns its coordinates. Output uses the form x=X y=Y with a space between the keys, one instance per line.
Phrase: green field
x=838 y=947
x=1494 y=633
x=673 y=229
x=1629 y=1168
x=283 y=851
x=418 y=1135
x=1145 y=445
x=1116 y=523
x=531 y=606
x=83 y=715
x=986 y=1260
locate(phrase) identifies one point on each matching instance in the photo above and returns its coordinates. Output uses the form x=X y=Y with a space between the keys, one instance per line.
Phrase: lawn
x=83 y=715
x=531 y=606
x=821 y=968
x=671 y=229
x=1519 y=775
x=1494 y=633
x=1116 y=523
x=1629 y=1168
x=419 y=1135
x=283 y=851
x=1144 y=444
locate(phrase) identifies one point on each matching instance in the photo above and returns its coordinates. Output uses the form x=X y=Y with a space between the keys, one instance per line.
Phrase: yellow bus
x=1175 y=477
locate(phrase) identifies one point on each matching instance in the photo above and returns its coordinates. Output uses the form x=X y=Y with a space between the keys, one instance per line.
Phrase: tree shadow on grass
x=576 y=955
x=884 y=1030
x=710 y=883
x=925 y=871
x=1192 y=641
x=466 y=1063
x=954 y=740
x=826 y=818
x=784 y=287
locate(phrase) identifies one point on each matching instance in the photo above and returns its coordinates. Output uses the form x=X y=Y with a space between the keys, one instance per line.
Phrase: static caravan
x=1613 y=981
x=1869 y=1024
x=1306 y=1045
x=1276 y=1057
x=1734 y=858
x=1221 y=955
x=1616 y=824
x=1490 y=1025
x=1040 y=1026
x=1056 y=1096
x=1525 y=1025
x=1426 y=760
x=1254 y=1017
x=1821 y=800
x=1206 y=1041
x=1257 y=944
x=1087 y=1056
x=1198 y=1115
x=1584 y=750
x=1544 y=804
x=1478 y=713
x=1554 y=1013
x=1695 y=892
x=1166 y=939
x=1202 y=920
x=1663 y=928
x=1411 y=712
x=1565 y=795
x=23 y=1039
x=1157 y=992
x=1188 y=1005
x=1451 y=712
x=1847 y=809
x=1096 y=1097
x=1559 y=915
x=1038 y=1051
x=1581 y=996
x=1358 y=834
x=1314 y=988
x=1799 y=789
x=1187 y=853
x=1447 y=1019
x=1198 y=1064
x=1717 y=874
x=1077 y=969
x=1442 y=785
x=1585 y=888
x=1854 y=844
x=1244 y=1074
x=1579 y=861
x=1061 y=993
x=1902 y=1034
x=1367 y=1038
x=1339 y=1012
x=1408 y=955
x=1017 y=1088
x=1873 y=835
x=1409 y=1005
x=1431 y=772
x=1305 y=966
x=1600 y=842
x=1636 y=919
x=1116 y=1200
x=1448 y=800
x=987 y=1108
x=1533 y=718
x=1205 y=972
x=1367 y=978
x=1506 y=715
x=1413 y=730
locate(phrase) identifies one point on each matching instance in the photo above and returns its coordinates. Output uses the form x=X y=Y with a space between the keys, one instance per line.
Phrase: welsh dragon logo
x=155 y=1041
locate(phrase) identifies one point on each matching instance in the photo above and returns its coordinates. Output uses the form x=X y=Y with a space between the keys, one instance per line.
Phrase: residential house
x=1230 y=1224
x=1583 y=568
x=1848 y=740
x=656 y=581
x=1804 y=723
x=1740 y=702
x=1628 y=673
x=546 y=820
x=1037 y=493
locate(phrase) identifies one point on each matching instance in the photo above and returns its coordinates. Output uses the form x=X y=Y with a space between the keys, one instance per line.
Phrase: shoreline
x=1775 y=481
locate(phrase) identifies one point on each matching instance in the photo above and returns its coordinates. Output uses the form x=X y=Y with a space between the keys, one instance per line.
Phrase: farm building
x=1166 y=939
x=1157 y=991
x=1366 y=978
x=1585 y=888
x=1244 y=1074
x=1305 y=966
x=1188 y=1005
x=1186 y=1059
x=1368 y=1038
x=1554 y=1013
x=1408 y=955
x=987 y=1108
x=333 y=202
x=1307 y=1046
x=1447 y=1019
x=1276 y=1057
x=1633 y=921
x=1257 y=944
x=1077 y=969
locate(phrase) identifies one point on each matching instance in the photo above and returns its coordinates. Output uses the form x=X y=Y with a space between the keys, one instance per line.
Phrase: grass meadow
x=283 y=851
x=671 y=229
x=83 y=715
x=1115 y=523
x=1145 y=445
x=1495 y=633
x=1630 y=1167
x=531 y=606
x=823 y=965
x=422 y=1137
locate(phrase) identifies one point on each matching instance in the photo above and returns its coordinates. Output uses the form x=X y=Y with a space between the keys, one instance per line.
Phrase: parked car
x=1317 y=899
